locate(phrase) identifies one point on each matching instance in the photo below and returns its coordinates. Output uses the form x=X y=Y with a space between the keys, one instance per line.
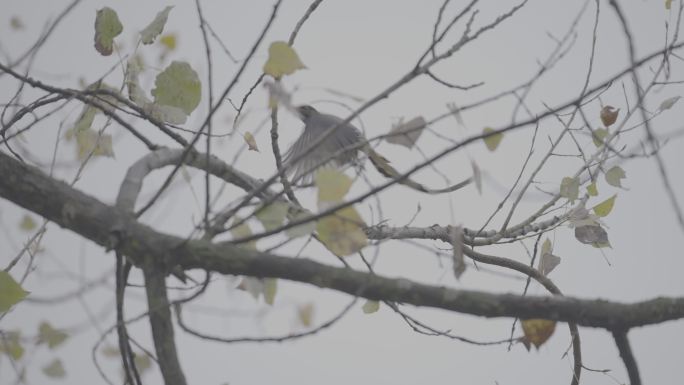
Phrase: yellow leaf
x=604 y=208
x=332 y=185
x=303 y=229
x=305 y=314
x=492 y=141
x=142 y=362
x=282 y=60
x=241 y=231
x=538 y=331
x=609 y=115
x=370 y=307
x=27 y=223
x=251 y=142
x=169 y=41
x=16 y=23
x=668 y=4
x=91 y=142
x=342 y=232
x=592 y=190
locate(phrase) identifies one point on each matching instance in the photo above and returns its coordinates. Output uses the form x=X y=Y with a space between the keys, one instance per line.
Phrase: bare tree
x=595 y=133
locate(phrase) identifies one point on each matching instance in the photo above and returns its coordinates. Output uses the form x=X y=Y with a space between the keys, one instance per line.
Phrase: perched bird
x=339 y=148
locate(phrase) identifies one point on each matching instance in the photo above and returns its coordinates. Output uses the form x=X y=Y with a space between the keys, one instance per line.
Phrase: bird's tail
x=383 y=166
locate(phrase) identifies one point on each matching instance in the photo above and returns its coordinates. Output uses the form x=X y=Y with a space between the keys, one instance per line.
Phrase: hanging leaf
x=593 y=235
x=178 y=86
x=569 y=188
x=370 y=307
x=254 y=286
x=10 y=344
x=240 y=231
x=142 y=362
x=270 y=289
x=169 y=41
x=537 y=331
x=50 y=336
x=609 y=115
x=615 y=175
x=342 y=232
x=156 y=27
x=27 y=223
x=16 y=24
x=456 y=112
x=668 y=4
x=580 y=216
x=107 y=27
x=55 y=369
x=332 y=185
x=406 y=134
x=11 y=292
x=668 y=103
x=273 y=215
x=305 y=228
x=477 y=177
x=251 y=142
x=592 y=190
x=282 y=60
x=305 y=314
x=492 y=141
x=548 y=261
x=599 y=135
x=90 y=142
x=604 y=208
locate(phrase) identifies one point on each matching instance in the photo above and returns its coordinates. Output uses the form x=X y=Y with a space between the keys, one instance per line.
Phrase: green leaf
x=10 y=344
x=282 y=60
x=598 y=136
x=55 y=369
x=51 y=336
x=92 y=142
x=178 y=86
x=615 y=175
x=492 y=141
x=11 y=292
x=270 y=289
x=592 y=190
x=604 y=208
x=107 y=27
x=156 y=27
x=370 y=307
x=241 y=231
x=569 y=188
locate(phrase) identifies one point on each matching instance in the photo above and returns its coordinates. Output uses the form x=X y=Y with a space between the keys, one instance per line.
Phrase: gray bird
x=338 y=149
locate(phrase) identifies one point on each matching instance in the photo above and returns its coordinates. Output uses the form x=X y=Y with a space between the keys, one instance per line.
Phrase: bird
x=339 y=149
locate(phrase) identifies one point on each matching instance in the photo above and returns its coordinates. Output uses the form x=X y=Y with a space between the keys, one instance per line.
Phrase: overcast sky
x=359 y=48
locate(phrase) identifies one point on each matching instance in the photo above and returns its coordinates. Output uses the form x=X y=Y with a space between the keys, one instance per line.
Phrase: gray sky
x=359 y=48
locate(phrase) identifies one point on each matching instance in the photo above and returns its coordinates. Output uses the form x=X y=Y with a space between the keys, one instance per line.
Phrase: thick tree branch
x=113 y=228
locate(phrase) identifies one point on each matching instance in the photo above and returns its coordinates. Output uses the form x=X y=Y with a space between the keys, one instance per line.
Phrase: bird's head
x=306 y=111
